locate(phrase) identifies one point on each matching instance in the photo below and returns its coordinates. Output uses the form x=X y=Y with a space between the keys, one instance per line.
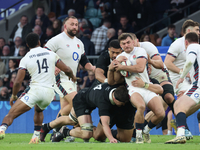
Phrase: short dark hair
x=187 y=24
x=124 y=36
x=114 y=43
x=32 y=40
x=192 y=37
x=3 y=39
x=67 y=18
x=171 y=26
x=42 y=7
x=121 y=94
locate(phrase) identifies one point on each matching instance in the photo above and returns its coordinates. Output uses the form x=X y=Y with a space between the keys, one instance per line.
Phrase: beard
x=71 y=33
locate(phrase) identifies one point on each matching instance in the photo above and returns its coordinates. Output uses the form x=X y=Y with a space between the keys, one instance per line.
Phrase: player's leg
x=124 y=135
x=182 y=105
x=98 y=133
x=138 y=102
x=16 y=110
x=169 y=118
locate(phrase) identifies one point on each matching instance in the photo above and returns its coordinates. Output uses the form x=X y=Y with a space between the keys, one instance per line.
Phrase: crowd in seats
x=100 y=21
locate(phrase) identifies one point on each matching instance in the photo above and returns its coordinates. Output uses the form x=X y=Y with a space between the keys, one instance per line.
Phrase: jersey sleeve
x=102 y=62
x=150 y=49
x=52 y=44
x=23 y=64
x=141 y=53
x=174 y=49
x=104 y=109
x=57 y=58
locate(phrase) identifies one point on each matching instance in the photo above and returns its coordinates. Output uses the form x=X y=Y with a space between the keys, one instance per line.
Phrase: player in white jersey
x=191 y=96
x=140 y=97
x=175 y=60
x=40 y=63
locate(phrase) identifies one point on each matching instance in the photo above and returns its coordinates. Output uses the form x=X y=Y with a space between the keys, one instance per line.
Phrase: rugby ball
x=126 y=73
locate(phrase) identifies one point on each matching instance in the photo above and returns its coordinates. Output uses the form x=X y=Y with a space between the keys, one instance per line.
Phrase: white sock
x=169 y=132
x=3 y=128
x=36 y=134
x=146 y=129
x=138 y=133
x=181 y=132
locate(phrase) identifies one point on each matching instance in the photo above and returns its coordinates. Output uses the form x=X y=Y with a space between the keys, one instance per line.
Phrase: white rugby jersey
x=69 y=50
x=151 y=51
x=132 y=57
x=40 y=63
x=177 y=50
x=194 y=72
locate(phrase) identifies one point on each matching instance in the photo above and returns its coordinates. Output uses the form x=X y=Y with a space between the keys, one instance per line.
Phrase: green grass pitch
x=20 y=142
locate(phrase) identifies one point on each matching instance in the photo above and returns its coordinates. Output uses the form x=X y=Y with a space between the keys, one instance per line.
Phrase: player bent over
x=107 y=99
x=191 y=96
x=40 y=63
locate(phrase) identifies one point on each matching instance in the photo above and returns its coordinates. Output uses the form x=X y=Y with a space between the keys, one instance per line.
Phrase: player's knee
x=168 y=97
x=98 y=137
x=161 y=115
x=87 y=129
x=141 y=108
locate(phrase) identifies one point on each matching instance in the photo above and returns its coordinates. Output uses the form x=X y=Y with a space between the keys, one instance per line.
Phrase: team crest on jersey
x=70 y=89
x=134 y=57
x=78 y=46
x=67 y=45
x=196 y=95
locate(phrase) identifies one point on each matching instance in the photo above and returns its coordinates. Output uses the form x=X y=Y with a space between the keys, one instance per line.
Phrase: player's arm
x=99 y=75
x=156 y=88
x=67 y=70
x=86 y=63
x=156 y=62
x=105 y=120
x=187 y=67
x=170 y=65
x=138 y=68
x=17 y=84
x=114 y=77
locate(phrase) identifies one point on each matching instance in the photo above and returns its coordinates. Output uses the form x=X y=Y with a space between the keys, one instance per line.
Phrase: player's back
x=40 y=64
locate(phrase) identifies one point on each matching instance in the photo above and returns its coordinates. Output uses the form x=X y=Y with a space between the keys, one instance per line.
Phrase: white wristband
x=181 y=71
x=106 y=80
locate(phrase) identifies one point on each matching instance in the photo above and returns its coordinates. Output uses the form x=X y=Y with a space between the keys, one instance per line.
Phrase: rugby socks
x=114 y=133
x=36 y=132
x=145 y=123
x=148 y=127
x=181 y=123
x=66 y=132
x=139 y=128
x=3 y=127
x=47 y=127
x=169 y=132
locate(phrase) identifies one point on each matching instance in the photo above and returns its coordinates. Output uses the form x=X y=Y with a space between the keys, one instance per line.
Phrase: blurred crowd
x=100 y=21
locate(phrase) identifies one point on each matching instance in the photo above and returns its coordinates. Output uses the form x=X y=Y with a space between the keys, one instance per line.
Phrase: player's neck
x=69 y=36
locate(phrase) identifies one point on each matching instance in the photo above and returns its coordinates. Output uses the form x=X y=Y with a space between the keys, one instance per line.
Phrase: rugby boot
x=177 y=140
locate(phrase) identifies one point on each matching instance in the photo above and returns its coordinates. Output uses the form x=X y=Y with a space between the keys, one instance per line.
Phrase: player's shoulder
x=194 y=46
x=178 y=42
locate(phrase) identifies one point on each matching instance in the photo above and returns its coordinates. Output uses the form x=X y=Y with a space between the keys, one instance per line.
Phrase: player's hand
x=178 y=82
x=149 y=59
x=180 y=93
x=113 y=140
x=119 y=66
x=138 y=82
x=57 y=71
x=12 y=98
x=113 y=65
x=93 y=68
x=74 y=79
x=121 y=58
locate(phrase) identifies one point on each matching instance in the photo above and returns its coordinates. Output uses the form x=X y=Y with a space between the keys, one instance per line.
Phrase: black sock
x=37 y=128
x=134 y=133
x=139 y=126
x=151 y=125
x=114 y=133
x=145 y=123
x=181 y=119
x=47 y=127
x=66 y=132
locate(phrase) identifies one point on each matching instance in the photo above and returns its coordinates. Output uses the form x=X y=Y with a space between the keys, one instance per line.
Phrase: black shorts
x=123 y=117
x=80 y=105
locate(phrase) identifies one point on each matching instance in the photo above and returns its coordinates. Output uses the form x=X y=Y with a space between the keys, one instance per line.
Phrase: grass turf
x=20 y=142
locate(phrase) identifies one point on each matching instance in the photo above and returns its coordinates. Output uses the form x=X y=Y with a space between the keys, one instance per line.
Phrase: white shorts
x=65 y=88
x=41 y=96
x=146 y=94
x=184 y=86
x=194 y=93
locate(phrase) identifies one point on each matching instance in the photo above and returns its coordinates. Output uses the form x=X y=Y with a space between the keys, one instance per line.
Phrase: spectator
x=124 y=25
x=11 y=83
x=99 y=36
x=142 y=15
x=56 y=27
x=71 y=12
x=144 y=38
x=169 y=38
x=88 y=45
x=4 y=95
x=3 y=69
x=22 y=51
x=39 y=22
x=62 y=4
x=21 y=29
x=13 y=68
x=1 y=83
x=15 y=48
x=81 y=73
x=155 y=39
x=49 y=34
x=40 y=14
x=2 y=44
x=6 y=51
x=52 y=17
x=37 y=29
x=88 y=80
x=119 y=32
x=111 y=35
